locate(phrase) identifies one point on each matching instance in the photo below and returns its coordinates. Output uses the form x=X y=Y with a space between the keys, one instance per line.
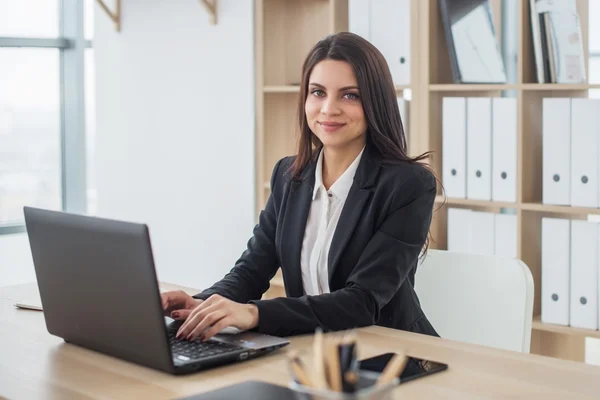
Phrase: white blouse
x=323 y=217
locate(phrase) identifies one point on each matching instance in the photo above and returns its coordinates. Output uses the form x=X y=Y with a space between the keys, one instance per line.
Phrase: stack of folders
x=478 y=232
x=570 y=273
x=557 y=41
x=571 y=152
x=479 y=148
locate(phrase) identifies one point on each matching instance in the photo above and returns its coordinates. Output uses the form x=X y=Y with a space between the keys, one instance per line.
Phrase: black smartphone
x=415 y=367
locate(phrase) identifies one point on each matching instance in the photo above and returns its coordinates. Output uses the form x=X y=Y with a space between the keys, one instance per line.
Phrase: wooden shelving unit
x=552 y=340
x=282 y=89
x=287 y=29
x=450 y=87
x=563 y=330
x=448 y=201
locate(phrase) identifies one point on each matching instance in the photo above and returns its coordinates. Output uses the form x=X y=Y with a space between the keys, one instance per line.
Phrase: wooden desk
x=34 y=364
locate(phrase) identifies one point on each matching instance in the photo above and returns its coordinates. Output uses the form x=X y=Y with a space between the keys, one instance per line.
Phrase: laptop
x=99 y=290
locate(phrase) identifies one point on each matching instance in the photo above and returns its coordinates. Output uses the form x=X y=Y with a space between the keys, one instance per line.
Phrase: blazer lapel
x=364 y=180
x=294 y=224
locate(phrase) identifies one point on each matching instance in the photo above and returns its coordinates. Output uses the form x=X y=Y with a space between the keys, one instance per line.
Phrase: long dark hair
x=378 y=96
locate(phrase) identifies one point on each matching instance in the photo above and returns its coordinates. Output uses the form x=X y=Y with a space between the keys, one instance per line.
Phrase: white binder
x=390 y=33
x=556 y=260
x=585 y=126
x=556 y=151
x=505 y=237
x=386 y=24
x=359 y=17
x=454 y=146
x=482 y=233
x=504 y=149
x=584 y=274
x=479 y=148
x=459 y=236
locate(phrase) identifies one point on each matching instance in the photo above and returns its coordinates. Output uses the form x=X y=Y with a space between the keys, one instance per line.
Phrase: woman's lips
x=331 y=126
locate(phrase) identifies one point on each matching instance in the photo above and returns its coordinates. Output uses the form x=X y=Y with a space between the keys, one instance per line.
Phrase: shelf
x=463 y=87
x=548 y=208
x=475 y=203
x=559 y=209
x=282 y=89
x=558 y=86
x=538 y=325
x=452 y=87
x=296 y=88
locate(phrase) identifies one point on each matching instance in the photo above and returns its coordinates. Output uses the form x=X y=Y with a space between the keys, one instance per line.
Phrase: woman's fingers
x=181 y=314
x=218 y=327
x=209 y=320
x=194 y=318
x=173 y=300
x=212 y=300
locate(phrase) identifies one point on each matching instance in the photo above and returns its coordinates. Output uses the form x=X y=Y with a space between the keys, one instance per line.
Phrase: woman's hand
x=217 y=313
x=177 y=304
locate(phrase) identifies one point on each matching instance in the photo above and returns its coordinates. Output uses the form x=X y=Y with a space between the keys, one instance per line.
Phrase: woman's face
x=333 y=106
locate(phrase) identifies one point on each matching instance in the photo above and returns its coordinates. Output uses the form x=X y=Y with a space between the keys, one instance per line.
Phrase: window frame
x=71 y=45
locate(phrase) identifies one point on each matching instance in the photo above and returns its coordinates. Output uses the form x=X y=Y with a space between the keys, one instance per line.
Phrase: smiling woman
x=346 y=220
x=334 y=105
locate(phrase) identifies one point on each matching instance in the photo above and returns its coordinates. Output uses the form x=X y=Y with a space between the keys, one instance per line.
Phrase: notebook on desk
x=98 y=289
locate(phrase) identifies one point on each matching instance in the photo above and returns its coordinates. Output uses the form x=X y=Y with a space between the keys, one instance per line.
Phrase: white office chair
x=477 y=299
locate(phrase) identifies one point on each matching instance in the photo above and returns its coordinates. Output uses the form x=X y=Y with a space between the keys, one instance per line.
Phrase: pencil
x=298 y=369
x=333 y=363
x=318 y=361
x=351 y=377
x=393 y=369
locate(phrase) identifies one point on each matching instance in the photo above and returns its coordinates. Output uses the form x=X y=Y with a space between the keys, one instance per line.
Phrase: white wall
x=175 y=131
x=16 y=265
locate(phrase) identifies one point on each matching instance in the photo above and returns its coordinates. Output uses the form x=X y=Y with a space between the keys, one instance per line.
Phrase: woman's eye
x=352 y=96
x=317 y=92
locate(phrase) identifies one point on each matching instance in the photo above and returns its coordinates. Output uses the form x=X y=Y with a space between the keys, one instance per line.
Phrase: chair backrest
x=478 y=299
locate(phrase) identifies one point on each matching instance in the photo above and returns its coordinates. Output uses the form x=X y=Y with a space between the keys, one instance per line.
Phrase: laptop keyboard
x=197 y=349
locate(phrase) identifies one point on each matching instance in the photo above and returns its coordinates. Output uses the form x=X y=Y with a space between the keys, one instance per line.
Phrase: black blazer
x=372 y=259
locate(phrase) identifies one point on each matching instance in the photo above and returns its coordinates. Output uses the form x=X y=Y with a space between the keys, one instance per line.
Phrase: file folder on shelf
x=479 y=148
x=585 y=125
x=386 y=24
x=505 y=235
x=459 y=230
x=482 y=233
x=390 y=33
x=556 y=151
x=584 y=275
x=359 y=17
x=454 y=146
x=504 y=149
x=556 y=261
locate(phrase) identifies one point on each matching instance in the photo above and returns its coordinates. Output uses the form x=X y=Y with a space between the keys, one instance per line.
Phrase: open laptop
x=99 y=290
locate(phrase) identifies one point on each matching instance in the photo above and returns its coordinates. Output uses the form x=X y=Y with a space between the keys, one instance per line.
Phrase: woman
x=346 y=219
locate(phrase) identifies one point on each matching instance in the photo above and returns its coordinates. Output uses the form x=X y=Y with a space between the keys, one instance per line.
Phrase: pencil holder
x=366 y=389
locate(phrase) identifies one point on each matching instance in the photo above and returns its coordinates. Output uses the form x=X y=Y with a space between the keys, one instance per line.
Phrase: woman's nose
x=330 y=107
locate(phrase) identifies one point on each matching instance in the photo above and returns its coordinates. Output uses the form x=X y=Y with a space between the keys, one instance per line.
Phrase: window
x=29 y=131
x=46 y=107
